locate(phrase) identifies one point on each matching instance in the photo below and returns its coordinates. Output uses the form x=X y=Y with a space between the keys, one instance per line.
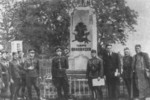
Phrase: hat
x=31 y=50
x=138 y=45
x=19 y=51
x=58 y=49
x=4 y=51
x=93 y=51
x=126 y=48
x=14 y=53
x=108 y=45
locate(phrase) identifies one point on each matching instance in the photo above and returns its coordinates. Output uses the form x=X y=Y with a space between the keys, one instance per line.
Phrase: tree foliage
x=46 y=24
x=115 y=20
x=43 y=24
x=8 y=19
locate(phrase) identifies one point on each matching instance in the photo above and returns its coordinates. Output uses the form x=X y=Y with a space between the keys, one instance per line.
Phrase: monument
x=83 y=37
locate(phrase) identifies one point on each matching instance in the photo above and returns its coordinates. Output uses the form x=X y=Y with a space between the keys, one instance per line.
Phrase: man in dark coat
x=141 y=69
x=95 y=71
x=128 y=74
x=31 y=66
x=127 y=69
x=60 y=80
x=111 y=71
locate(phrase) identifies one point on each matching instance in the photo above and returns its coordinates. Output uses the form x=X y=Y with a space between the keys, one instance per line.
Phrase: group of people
x=17 y=74
x=135 y=72
x=20 y=73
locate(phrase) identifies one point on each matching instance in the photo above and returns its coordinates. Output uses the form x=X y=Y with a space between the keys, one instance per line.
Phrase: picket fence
x=78 y=86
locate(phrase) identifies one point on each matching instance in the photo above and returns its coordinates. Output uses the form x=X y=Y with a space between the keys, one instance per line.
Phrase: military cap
x=126 y=48
x=4 y=51
x=108 y=45
x=58 y=49
x=18 y=51
x=93 y=51
x=14 y=53
x=31 y=50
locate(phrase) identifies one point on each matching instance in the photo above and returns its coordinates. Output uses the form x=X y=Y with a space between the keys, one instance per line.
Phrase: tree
x=43 y=24
x=7 y=21
x=46 y=24
x=115 y=20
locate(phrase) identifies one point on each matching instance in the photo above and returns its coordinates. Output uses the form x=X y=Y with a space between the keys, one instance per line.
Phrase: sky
x=142 y=34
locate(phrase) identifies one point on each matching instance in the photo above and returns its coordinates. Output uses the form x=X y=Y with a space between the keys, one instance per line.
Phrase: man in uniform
x=15 y=75
x=60 y=80
x=111 y=70
x=22 y=73
x=31 y=66
x=95 y=71
x=5 y=74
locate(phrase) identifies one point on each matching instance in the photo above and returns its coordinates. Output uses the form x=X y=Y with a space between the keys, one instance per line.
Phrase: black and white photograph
x=74 y=49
